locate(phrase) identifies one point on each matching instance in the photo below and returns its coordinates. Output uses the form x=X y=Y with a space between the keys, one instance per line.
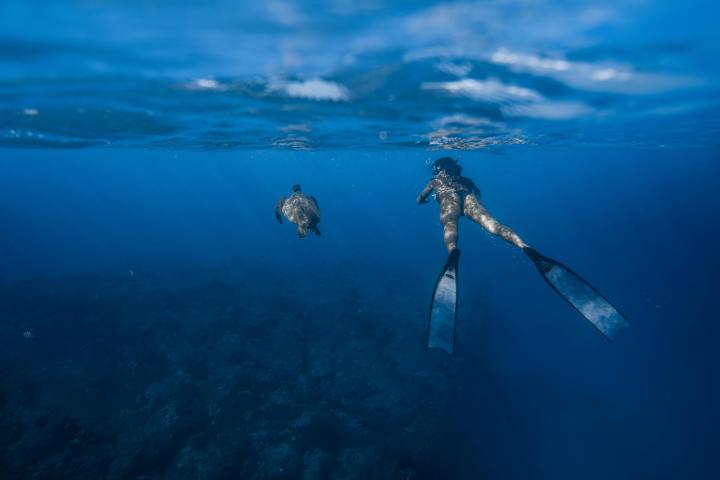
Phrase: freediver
x=300 y=209
x=458 y=196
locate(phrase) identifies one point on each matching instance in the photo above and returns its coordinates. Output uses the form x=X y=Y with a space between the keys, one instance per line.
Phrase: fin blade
x=580 y=294
x=443 y=308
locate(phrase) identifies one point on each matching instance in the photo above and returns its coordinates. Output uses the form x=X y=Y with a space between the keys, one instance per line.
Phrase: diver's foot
x=517 y=241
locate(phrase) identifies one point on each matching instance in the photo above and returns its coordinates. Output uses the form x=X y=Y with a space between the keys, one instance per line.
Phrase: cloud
x=312 y=89
x=515 y=101
x=602 y=77
x=549 y=110
x=523 y=22
x=204 y=84
x=285 y=13
x=490 y=90
x=460 y=119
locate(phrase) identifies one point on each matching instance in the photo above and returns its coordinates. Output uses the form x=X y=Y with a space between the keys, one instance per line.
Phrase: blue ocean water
x=157 y=322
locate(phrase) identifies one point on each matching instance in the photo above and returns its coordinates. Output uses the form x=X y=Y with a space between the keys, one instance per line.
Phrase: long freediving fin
x=443 y=309
x=580 y=294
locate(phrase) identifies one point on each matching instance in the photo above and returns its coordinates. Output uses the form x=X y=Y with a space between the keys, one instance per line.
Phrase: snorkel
x=448 y=165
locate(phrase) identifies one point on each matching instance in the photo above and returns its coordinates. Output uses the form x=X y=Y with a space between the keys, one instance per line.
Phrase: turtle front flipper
x=278 y=209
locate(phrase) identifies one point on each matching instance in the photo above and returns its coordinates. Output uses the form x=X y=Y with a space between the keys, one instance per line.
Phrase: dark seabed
x=156 y=321
x=202 y=373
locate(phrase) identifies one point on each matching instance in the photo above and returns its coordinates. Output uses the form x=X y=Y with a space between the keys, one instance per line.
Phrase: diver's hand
x=421 y=200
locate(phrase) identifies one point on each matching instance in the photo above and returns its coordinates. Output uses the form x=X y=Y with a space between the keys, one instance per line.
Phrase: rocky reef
x=219 y=374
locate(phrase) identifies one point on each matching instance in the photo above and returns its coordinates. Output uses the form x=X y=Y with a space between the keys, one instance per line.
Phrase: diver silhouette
x=300 y=209
x=458 y=196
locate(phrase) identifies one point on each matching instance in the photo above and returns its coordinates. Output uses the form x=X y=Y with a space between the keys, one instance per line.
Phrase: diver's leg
x=477 y=213
x=449 y=215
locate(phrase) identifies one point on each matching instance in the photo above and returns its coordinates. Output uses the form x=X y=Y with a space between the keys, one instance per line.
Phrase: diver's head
x=448 y=165
x=296 y=188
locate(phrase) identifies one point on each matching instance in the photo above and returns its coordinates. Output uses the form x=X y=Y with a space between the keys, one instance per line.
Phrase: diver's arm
x=422 y=198
x=475 y=189
x=278 y=209
x=470 y=185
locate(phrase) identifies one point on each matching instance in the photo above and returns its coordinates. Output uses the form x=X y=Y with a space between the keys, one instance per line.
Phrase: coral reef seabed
x=202 y=373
